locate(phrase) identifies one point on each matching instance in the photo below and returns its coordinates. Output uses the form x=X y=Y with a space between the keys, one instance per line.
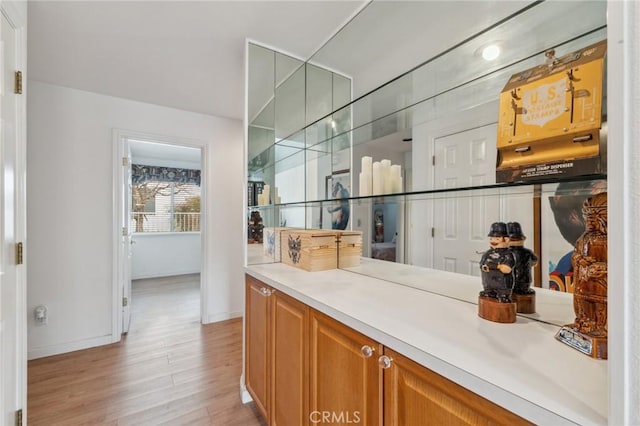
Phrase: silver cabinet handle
x=384 y=361
x=266 y=292
x=367 y=351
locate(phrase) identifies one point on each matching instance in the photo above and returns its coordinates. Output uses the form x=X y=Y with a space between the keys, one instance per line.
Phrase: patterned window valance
x=142 y=173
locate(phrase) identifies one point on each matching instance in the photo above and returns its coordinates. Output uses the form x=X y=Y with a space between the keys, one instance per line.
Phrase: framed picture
x=335 y=215
x=561 y=226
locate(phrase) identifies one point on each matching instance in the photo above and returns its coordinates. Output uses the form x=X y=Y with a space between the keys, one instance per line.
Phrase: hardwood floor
x=168 y=370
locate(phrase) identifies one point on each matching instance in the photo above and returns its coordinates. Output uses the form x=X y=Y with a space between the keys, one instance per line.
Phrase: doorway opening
x=161 y=223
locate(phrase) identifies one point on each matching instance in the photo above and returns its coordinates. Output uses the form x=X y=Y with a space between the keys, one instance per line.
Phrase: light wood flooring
x=168 y=370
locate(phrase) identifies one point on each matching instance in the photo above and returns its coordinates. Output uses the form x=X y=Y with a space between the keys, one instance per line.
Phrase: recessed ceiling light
x=491 y=52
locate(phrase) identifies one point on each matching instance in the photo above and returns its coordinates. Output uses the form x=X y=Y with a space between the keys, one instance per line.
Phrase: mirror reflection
x=320 y=129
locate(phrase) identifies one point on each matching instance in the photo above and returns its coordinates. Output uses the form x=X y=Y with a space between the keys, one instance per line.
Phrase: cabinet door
x=289 y=362
x=257 y=311
x=414 y=395
x=345 y=383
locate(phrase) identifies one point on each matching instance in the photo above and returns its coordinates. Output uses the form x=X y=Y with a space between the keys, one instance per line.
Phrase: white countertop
x=518 y=366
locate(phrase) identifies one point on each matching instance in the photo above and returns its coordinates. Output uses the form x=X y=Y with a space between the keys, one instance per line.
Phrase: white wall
x=70 y=215
x=160 y=254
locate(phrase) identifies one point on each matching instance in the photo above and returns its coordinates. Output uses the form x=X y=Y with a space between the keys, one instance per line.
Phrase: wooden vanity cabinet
x=304 y=367
x=415 y=395
x=277 y=354
x=257 y=334
x=289 y=362
x=346 y=381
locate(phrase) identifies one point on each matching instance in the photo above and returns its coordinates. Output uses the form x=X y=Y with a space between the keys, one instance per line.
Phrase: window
x=165 y=200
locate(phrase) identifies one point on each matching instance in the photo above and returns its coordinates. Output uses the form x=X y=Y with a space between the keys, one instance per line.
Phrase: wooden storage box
x=271 y=242
x=310 y=249
x=349 y=248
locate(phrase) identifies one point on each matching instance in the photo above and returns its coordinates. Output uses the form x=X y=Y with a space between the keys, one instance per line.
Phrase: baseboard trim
x=245 y=396
x=165 y=274
x=69 y=347
x=223 y=316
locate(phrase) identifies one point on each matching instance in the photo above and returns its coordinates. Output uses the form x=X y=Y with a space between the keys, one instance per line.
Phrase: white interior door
x=12 y=306
x=461 y=224
x=127 y=241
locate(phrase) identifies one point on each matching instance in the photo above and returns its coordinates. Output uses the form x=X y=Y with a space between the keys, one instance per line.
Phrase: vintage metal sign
x=550 y=120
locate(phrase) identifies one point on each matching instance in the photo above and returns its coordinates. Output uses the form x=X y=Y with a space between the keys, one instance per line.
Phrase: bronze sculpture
x=588 y=333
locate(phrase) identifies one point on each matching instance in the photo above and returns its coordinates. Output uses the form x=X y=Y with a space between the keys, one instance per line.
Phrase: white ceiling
x=189 y=55
x=186 y=55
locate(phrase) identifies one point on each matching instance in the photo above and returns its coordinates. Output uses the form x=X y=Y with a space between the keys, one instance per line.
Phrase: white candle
x=365 y=184
x=395 y=178
x=265 y=194
x=368 y=182
x=377 y=178
x=386 y=176
x=366 y=164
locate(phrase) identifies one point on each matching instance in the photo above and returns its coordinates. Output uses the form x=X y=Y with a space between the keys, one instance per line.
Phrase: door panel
x=344 y=383
x=257 y=311
x=289 y=362
x=127 y=241
x=12 y=311
x=415 y=395
x=461 y=223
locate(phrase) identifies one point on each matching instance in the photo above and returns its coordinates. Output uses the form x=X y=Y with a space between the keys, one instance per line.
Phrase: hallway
x=168 y=369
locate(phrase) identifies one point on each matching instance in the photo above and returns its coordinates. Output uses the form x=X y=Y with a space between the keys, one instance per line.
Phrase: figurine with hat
x=525 y=259
x=497 y=263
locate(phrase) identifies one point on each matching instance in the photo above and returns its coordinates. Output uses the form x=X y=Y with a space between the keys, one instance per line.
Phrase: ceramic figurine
x=525 y=259
x=588 y=333
x=254 y=233
x=497 y=263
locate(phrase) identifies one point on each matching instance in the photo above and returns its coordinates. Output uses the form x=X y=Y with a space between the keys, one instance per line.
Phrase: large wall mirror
x=402 y=84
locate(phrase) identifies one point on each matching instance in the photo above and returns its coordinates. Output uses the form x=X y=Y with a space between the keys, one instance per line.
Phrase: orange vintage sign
x=550 y=118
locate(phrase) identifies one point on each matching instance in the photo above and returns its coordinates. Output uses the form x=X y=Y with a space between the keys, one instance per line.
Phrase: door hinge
x=433 y=232
x=19 y=417
x=125 y=301
x=433 y=160
x=19 y=254
x=125 y=161
x=18 y=85
x=125 y=231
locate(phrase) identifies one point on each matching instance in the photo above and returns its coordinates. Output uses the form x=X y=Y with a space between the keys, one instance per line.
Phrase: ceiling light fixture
x=491 y=52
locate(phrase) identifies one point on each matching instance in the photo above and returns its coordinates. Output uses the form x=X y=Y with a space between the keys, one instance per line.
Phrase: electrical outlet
x=40 y=314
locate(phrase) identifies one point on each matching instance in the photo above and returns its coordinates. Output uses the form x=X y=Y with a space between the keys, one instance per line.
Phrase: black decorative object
x=255 y=230
x=497 y=263
x=525 y=259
